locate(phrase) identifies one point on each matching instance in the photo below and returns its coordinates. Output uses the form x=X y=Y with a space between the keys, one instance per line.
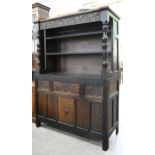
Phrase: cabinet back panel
x=81 y=64
x=82 y=44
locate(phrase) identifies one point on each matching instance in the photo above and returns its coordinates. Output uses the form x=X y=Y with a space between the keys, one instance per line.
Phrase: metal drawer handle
x=65 y=110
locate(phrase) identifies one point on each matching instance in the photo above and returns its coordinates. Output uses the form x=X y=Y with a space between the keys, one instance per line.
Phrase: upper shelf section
x=98 y=15
x=75 y=35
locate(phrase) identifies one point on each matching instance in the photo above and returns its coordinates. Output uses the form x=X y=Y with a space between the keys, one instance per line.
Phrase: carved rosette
x=105 y=45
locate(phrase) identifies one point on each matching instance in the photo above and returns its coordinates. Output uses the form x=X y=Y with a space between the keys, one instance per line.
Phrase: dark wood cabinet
x=77 y=87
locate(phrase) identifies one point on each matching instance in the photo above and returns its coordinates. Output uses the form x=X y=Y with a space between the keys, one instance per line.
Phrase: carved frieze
x=71 y=20
x=66 y=87
x=93 y=90
x=43 y=85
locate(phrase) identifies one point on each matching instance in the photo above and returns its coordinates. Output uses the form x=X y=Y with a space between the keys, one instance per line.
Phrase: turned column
x=105 y=143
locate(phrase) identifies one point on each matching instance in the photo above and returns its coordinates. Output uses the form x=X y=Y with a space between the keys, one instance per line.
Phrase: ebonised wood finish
x=77 y=87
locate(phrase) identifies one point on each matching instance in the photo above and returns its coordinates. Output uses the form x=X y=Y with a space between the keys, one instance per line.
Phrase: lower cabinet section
x=66 y=110
x=78 y=112
x=58 y=103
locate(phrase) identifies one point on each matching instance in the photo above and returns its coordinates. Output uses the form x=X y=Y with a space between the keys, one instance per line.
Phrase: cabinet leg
x=38 y=123
x=105 y=144
x=117 y=130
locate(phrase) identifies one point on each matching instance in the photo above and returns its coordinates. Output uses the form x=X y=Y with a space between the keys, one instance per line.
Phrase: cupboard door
x=42 y=101
x=83 y=114
x=52 y=107
x=66 y=110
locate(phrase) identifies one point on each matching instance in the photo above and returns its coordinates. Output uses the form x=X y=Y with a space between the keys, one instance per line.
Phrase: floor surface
x=50 y=141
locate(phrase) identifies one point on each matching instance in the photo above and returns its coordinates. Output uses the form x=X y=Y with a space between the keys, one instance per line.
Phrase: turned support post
x=105 y=143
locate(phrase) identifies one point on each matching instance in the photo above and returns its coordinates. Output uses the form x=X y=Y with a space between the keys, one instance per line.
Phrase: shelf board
x=75 y=35
x=72 y=53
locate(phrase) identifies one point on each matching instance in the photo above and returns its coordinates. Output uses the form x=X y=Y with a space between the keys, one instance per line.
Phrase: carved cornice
x=71 y=20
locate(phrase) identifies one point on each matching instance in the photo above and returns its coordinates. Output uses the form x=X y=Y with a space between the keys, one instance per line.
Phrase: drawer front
x=66 y=110
x=83 y=114
x=66 y=88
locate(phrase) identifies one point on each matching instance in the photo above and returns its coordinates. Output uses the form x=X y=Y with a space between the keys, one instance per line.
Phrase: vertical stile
x=45 y=49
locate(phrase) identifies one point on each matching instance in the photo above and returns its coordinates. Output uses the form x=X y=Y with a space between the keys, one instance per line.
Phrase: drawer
x=66 y=110
x=66 y=87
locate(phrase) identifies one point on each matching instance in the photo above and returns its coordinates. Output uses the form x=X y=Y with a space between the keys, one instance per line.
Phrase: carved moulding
x=71 y=20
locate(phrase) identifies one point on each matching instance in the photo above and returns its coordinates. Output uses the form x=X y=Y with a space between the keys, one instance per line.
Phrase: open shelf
x=72 y=53
x=75 y=35
x=72 y=64
x=83 y=45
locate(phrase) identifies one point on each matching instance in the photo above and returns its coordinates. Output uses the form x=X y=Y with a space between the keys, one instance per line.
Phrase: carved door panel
x=52 y=107
x=42 y=101
x=83 y=114
x=96 y=118
x=66 y=110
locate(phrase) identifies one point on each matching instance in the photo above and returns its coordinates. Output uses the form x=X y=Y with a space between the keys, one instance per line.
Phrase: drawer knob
x=65 y=110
